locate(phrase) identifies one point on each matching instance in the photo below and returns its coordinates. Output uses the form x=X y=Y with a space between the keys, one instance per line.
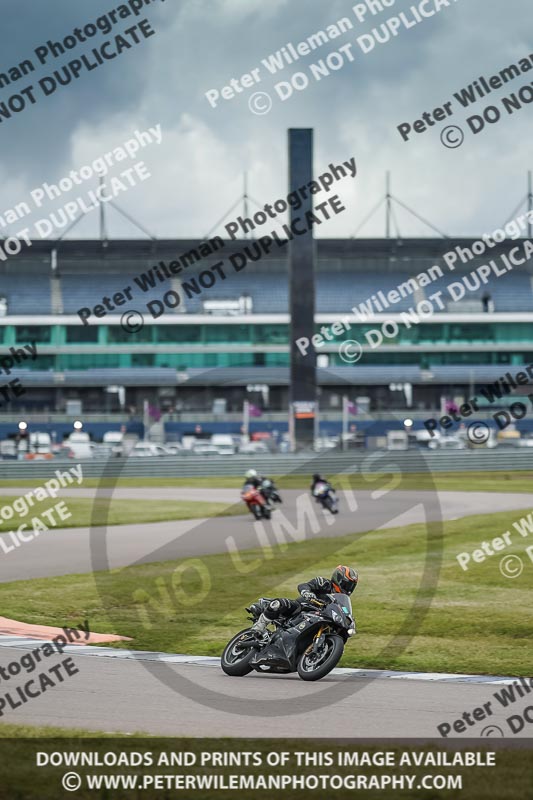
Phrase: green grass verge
x=478 y=621
x=519 y=481
x=8 y=731
x=87 y=512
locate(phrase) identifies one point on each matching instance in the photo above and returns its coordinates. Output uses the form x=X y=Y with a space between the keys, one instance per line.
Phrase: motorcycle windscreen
x=343 y=600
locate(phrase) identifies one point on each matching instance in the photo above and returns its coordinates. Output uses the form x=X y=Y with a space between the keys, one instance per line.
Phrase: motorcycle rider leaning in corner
x=314 y=592
x=251 y=477
x=317 y=478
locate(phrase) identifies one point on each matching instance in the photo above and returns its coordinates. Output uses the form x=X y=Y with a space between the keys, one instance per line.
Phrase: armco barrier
x=330 y=463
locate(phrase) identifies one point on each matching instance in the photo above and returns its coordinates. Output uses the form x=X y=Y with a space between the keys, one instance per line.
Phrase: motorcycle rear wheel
x=331 y=505
x=312 y=667
x=234 y=660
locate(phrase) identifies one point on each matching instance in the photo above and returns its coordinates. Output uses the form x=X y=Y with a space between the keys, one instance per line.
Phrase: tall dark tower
x=302 y=258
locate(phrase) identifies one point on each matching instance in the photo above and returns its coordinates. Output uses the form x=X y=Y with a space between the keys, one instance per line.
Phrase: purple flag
x=451 y=407
x=154 y=413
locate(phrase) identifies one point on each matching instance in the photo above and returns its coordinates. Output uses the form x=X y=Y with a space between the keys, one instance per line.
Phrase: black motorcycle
x=324 y=493
x=269 y=491
x=310 y=643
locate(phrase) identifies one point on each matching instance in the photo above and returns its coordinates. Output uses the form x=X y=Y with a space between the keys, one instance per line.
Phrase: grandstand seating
x=29 y=294
x=336 y=292
x=512 y=292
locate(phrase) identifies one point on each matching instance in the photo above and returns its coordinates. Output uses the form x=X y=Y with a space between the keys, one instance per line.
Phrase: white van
x=80 y=445
x=40 y=447
x=224 y=444
x=397 y=440
x=40 y=442
x=113 y=443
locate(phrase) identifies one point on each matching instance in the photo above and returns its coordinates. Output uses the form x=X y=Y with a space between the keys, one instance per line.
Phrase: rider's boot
x=261 y=625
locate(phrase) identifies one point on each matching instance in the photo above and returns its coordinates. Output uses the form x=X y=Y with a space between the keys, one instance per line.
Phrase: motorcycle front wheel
x=331 y=505
x=314 y=666
x=235 y=659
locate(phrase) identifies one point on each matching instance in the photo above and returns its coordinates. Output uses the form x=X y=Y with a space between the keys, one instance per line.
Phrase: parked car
x=173 y=449
x=224 y=444
x=253 y=448
x=147 y=449
x=225 y=450
x=81 y=445
x=447 y=443
x=63 y=453
x=205 y=449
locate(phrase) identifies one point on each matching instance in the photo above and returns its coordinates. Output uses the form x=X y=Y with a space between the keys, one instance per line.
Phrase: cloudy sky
x=197 y=171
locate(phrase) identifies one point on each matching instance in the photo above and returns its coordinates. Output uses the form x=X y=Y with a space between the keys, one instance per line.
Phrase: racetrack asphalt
x=79 y=550
x=118 y=695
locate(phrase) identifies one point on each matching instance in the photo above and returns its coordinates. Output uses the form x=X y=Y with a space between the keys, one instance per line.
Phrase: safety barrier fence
x=301 y=463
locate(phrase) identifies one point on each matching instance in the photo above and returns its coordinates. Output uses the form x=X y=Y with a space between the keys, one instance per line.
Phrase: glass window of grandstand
x=226 y=334
x=276 y=359
x=471 y=333
x=178 y=334
x=271 y=334
x=33 y=333
x=117 y=335
x=445 y=333
x=511 y=332
x=89 y=361
x=142 y=359
x=82 y=334
x=187 y=361
x=41 y=362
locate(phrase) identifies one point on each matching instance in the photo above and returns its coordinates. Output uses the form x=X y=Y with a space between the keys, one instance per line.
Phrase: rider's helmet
x=316 y=477
x=344 y=579
x=251 y=474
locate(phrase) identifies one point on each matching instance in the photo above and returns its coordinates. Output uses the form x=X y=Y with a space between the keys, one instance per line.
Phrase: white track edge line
x=210 y=661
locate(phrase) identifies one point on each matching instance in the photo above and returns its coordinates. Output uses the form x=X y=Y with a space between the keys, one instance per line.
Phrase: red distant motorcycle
x=256 y=502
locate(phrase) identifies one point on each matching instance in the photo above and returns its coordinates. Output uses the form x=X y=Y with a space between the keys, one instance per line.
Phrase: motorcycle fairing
x=283 y=649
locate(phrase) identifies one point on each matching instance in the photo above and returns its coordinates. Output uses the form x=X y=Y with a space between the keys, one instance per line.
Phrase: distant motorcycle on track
x=324 y=493
x=269 y=491
x=256 y=501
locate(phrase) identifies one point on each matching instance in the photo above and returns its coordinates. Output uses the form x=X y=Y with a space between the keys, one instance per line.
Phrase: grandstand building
x=230 y=340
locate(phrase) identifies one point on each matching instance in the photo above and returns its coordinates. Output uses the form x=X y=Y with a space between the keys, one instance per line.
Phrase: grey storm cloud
x=202 y=44
x=38 y=140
